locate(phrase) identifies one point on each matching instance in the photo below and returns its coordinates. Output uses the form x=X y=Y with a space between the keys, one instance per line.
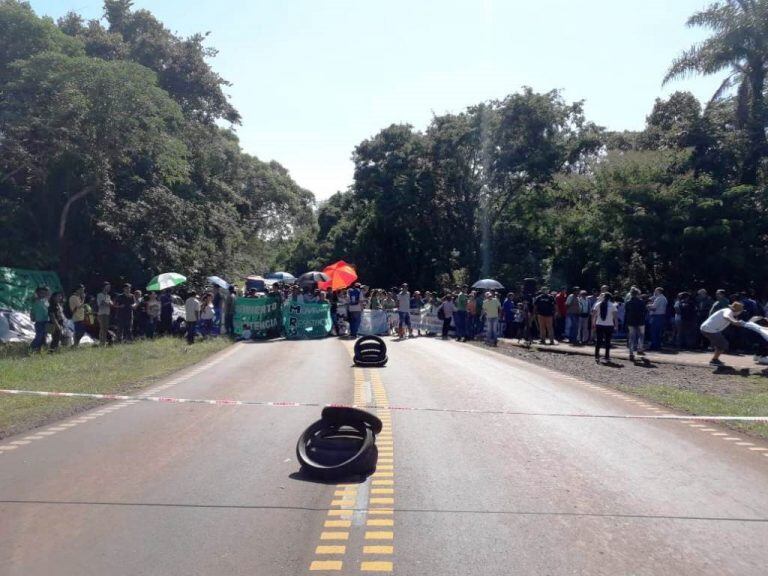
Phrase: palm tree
x=739 y=44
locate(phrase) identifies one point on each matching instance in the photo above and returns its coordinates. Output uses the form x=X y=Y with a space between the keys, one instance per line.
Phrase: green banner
x=262 y=316
x=17 y=286
x=307 y=320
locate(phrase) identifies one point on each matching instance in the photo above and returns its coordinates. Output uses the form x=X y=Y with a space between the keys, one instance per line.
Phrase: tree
x=739 y=44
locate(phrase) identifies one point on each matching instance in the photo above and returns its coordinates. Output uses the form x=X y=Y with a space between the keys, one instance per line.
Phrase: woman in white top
x=605 y=317
x=206 y=315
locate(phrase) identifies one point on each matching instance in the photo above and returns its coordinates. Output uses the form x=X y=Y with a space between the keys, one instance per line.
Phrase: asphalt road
x=167 y=489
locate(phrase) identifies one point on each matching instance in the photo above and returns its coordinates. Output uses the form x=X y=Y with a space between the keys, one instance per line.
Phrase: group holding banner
x=266 y=317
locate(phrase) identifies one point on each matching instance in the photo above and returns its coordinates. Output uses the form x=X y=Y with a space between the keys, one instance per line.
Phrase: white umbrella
x=220 y=282
x=488 y=284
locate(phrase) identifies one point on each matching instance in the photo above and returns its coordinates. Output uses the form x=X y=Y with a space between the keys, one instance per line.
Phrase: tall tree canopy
x=112 y=161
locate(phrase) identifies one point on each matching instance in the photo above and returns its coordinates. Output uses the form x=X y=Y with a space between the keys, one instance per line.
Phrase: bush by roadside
x=111 y=370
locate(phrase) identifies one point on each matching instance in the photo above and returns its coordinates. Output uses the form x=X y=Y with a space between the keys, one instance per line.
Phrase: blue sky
x=312 y=78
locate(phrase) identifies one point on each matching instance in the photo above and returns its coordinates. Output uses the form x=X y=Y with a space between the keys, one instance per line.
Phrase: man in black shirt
x=544 y=305
x=634 y=317
x=125 y=304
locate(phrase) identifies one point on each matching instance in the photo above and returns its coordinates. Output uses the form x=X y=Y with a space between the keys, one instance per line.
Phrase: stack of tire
x=342 y=444
x=370 y=352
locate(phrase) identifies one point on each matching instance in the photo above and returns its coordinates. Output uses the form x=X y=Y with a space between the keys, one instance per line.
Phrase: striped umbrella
x=166 y=280
x=340 y=275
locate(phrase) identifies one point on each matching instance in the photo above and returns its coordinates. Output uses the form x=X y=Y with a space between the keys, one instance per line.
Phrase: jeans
x=470 y=329
x=103 y=328
x=559 y=327
x=40 y=334
x=150 y=328
x=191 y=329
x=206 y=326
x=79 y=331
x=354 y=322
x=546 y=329
x=603 y=338
x=460 y=318
x=446 y=327
x=635 y=338
x=583 y=324
x=657 y=330
x=491 y=324
x=125 y=329
x=573 y=328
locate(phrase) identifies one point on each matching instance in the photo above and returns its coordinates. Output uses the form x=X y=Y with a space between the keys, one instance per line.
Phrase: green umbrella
x=167 y=280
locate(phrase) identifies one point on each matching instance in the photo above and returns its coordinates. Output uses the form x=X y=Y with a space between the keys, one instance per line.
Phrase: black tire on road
x=340 y=415
x=348 y=463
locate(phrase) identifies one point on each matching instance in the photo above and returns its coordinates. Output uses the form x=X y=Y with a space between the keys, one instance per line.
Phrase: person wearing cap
x=77 y=309
x=714 y=326
x=355 y=309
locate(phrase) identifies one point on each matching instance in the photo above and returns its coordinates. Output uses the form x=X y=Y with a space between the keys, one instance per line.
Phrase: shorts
x=404 y=319
x=718 y=341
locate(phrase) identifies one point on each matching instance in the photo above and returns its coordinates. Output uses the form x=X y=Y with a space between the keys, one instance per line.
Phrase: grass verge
x=112 y=370
x=749 y=400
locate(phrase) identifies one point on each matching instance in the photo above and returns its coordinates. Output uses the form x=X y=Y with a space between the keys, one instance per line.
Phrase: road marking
x=381 y=512
x=378 y=566
x=382 y=491
x=21 y=442
x=378 y=549
x=325 y=565
x=759 y=449
x=334 y=535
x=331 y=550
x=337 y=524
x=380 y=522
x=744 y=444
x=8 y=448
x=339 y=512
x=379 y=535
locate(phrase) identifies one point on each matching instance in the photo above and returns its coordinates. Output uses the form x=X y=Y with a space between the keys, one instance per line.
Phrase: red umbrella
x=340 y=275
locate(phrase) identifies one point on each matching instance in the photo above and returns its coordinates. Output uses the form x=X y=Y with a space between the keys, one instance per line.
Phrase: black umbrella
x=312 y=278
x=488 y=284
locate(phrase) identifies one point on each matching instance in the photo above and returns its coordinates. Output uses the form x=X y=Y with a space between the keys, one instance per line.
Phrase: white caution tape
x=167 y=400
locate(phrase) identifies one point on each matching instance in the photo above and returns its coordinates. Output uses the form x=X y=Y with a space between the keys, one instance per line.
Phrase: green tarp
x=17 y=286
x=262 y=316
x=304 y=321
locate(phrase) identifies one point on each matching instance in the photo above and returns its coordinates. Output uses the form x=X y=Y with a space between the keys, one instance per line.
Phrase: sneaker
x=641 y=353
x=597 y=360
x=631 y=357
x=716 y=363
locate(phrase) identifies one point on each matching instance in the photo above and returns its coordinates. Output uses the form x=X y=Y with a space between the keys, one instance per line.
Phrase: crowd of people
x=119 y=317
x=648 y=321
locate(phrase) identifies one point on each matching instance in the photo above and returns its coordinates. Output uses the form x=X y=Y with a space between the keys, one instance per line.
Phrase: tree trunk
x=756 y=128
x=64 y=264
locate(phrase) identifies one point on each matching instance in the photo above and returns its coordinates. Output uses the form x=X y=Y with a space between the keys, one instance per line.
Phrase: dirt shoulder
x=691 y=389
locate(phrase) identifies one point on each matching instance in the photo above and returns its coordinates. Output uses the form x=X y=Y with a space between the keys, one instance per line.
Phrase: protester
x=207 y=316
x=229 y=311
x=153 y=309
x=508 y=309
x=404 y=311
x=561 y=314
x=491 y=308
x=445 y=313
x=166 y=312
x=472 y=314
x=218 y=303
x=687 y=326
x=39 y=317
x=634 y=316
x=104 y=307
x=582 y=336
x=605 y=319
x=124 y=305
x=77 y=310
x=460 y=315
x=721 y=301
x=191 y=315
x=355 y=309
x=657 y=312
x=544 y=307
x=139 y=315
x=712 y=329
x=56 y=319
x=573 y=311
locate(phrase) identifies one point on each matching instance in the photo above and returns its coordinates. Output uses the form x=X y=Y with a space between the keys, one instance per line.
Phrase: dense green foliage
x=527 y=186
x=113 y=161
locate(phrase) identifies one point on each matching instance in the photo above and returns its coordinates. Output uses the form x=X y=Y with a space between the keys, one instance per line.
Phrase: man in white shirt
x=404 y=311
x=191 y=315
x=714 y=326
x=657 y=312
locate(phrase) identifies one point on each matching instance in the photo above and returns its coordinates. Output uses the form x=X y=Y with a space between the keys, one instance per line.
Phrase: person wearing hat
x=714 y=326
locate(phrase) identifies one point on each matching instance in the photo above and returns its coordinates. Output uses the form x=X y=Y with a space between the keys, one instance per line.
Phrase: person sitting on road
x=714 y=326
